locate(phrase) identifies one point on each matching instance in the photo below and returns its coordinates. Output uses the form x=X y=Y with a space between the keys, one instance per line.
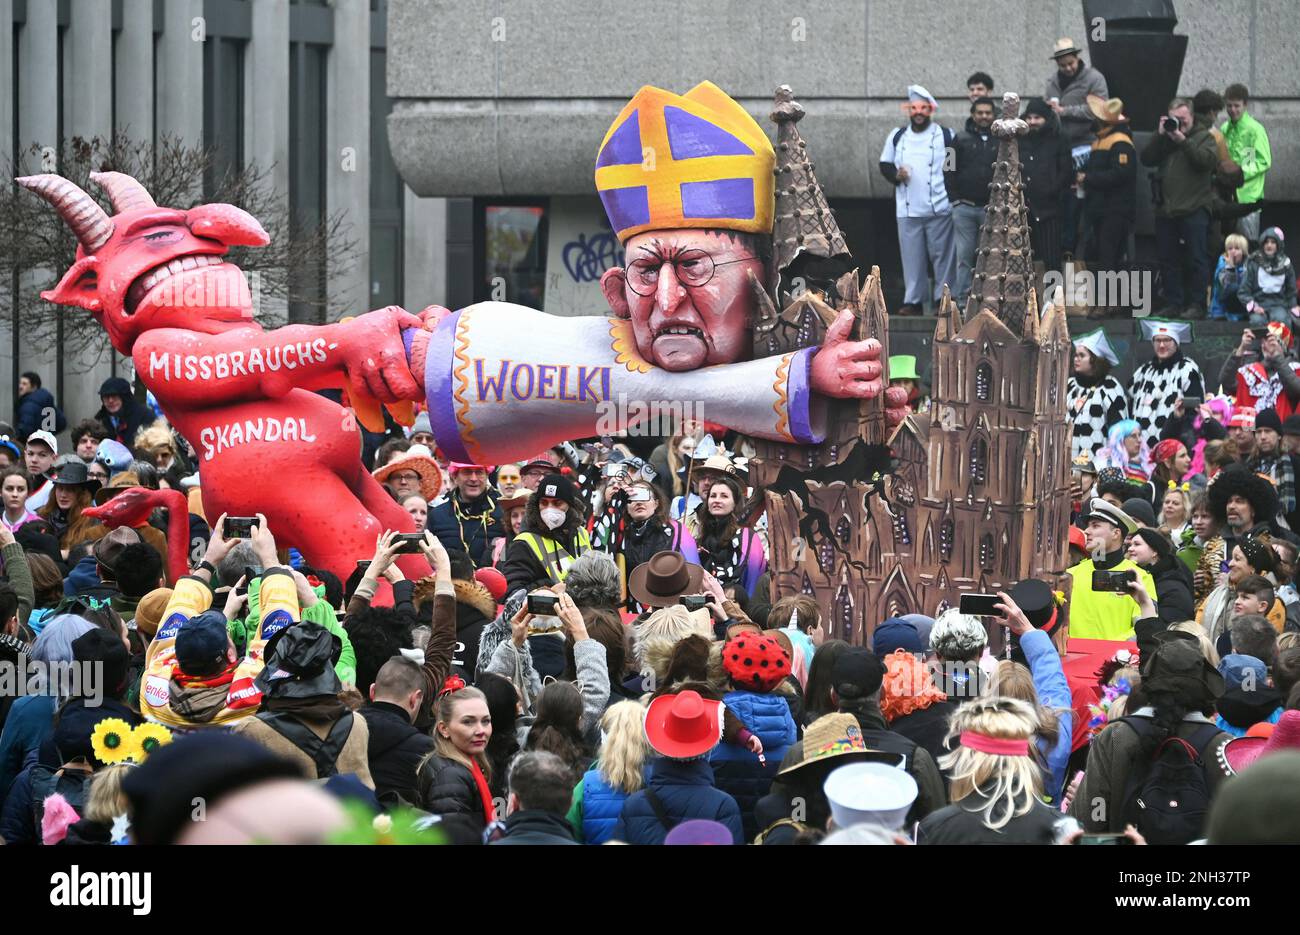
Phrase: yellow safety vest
x=553 y=556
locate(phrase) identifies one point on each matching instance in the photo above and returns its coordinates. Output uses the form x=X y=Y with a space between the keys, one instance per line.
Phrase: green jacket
x=1186 y=170
x=1248 y=146
x=320 y=612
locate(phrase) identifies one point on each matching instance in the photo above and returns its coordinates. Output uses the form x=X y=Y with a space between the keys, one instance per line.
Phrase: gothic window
x=807 y=586
x=979 y=456
x=1052 y=393
x=986 y=552
x=826 y=556
x=945 y=540
x=901 y=534
x=843 y=531
x=983 y=382
x=844 y=613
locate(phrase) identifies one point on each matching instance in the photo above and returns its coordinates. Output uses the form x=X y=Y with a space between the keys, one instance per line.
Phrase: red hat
x=493 y=580
x=1244 y=418
x=683 y=726
x=755 y=661
x=1167 y=449
x=1077 y=538
x=1280 y=331
x=454 y=466
x=1240 y=752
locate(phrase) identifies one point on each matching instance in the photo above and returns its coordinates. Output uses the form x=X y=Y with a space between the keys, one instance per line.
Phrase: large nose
x=669 y=293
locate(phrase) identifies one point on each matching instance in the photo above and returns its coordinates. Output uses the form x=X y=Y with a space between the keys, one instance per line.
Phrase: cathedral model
x=972 y=496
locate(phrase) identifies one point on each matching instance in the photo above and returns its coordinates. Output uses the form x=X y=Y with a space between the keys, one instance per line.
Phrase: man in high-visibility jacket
x=554 y=534
x=1105 y=615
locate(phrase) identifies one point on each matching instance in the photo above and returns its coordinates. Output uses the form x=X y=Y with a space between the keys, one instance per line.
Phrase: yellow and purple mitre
x=685 y=160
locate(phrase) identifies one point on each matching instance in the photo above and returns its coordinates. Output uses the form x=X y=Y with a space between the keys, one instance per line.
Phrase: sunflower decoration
x=149 y=737
x=113 y=741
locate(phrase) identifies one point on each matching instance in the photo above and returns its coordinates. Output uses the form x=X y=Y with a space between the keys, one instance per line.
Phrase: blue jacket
x=1053 y=693
x=473 y=533
x=31 y=413
x=737 y=771
x=16 y=825
x=601 y=806
x=30 y=722
x=686 y=790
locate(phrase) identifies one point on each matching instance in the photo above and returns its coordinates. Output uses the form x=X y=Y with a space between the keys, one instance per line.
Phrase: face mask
x=552 y=517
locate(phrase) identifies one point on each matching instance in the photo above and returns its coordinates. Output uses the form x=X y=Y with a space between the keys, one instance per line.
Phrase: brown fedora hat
x=662 y=580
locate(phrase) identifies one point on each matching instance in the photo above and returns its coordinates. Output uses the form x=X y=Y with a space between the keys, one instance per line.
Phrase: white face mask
x=553 y=518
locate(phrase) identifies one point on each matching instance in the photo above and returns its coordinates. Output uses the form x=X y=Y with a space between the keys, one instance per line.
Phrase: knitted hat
x=149 y=611
x=895 y=634
x=559 y=487
x=1260 y=556
x=1268 y=419
x=1157 y=540
x=857 y=673
x=1291 y=426
x=1039 y=107
x=1140 y=510
x=755 y=661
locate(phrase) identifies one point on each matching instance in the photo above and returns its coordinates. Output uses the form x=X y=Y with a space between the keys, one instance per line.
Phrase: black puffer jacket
x=1046 y=168
x=448 y=788
x=976 y=150
x=395 y=750
x=1174 y=601
x=123 y=425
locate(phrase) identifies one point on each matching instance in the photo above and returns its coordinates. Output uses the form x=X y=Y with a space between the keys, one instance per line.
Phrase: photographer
x=1185 y=156
x=635 y=526
x=1101 y=607
x=1263 y=374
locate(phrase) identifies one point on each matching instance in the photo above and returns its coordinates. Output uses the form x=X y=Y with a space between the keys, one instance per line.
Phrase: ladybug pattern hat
x=755 y=661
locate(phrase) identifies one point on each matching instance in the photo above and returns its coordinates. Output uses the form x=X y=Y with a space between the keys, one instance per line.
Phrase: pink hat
x=493 y=580
x=1243 y=418
x=1237 y=754
x=454 y=466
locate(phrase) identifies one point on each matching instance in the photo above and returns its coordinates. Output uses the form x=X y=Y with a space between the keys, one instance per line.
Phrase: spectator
x=1248 y=558
x=1249 y=148
x=1047 y=172
x=14 y=489
x=1106 y=615
x=1229 y=272
x=509 y=481
x=1170 y=474
x=996 y=785
x=37 y=409
x=475 y=609
x=513 y=509
x=1248 y=698
x=71 y=495
x=728 y=550
x=817 y=692
x=978 y=85
x=540 y=786
x=634 y=527
x=395 y=746
x=120 y=414
x=418 y=508
x=557 y=729
x=1243 y=504
x=505 y=709
x=1185 y=157
x=469 y=520
x=412 y=471
x=1152 y=551
x=1067 y=94
x=1269 y=460
x=1109 y=182
x=682 y=728
x=1158 y=386
x=912 y=705
x=86 y=436
x=1254 y=634
x=902 y=373
x=974 y=151
x=621 y=768
x=554 y=534
x=38 y=457
x=1126 y=451
x=799 y=617
x=1268 y=289
x=10 y=454
x=1179 y=686
x=913 y=162
x=453 y=779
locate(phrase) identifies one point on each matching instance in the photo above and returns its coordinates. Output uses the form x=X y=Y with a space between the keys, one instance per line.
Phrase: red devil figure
x=155 y=278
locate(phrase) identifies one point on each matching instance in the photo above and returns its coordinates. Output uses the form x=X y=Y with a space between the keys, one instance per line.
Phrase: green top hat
x=903 y=367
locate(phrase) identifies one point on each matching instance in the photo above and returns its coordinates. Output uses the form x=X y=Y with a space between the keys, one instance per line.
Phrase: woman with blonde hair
x=1052 y=739
x=453 y=778
x=1207 y=646
x=620 y=769
x=995 y=783
x=105 y=804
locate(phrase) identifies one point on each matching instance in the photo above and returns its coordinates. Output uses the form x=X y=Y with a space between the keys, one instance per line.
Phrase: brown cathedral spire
x=1004 y=263
x=803 y=223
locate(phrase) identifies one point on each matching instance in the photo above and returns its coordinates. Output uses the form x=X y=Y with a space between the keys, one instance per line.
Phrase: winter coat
x=32 y=414
x=963 y=823
x=1173 y=594
x=523 y=568
x=1110 y=178
x=591 y=673
x=1185 y=171
x=475 y=609
x=596 y=807
x=1076 y=118
x=1114 y=752
x=1224 y=299
x=1053 y=691
x=353 y=758
x=30 y=722
x=1046 y=169
x=927 y=727
x=1269 y=283
x=127 y=422
x=394 y=750
x=534 y=826
x=447 y=787
x=685 y=789
x=737 y=770
x=1249 y=148
x=974 y=151
x=480 y=525
x=1104 y=615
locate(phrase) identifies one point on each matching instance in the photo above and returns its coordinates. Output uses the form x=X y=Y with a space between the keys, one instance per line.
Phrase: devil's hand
x=374 y=356
x=845 y=369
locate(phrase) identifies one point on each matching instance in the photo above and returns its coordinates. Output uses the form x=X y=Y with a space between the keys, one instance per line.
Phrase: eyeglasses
x=694 y=268
x=407 y=478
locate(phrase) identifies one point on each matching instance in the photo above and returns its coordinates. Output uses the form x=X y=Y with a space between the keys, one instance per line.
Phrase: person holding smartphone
x=1108 y=613
x=635 y=526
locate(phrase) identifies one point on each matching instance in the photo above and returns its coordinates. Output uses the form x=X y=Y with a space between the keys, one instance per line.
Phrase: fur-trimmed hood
x=475 y=595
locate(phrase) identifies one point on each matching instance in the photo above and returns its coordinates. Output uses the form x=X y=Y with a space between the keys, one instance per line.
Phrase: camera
x=543 y=605
x=695 y=601
x=1116 y=581
x=239 y=527
x=409 y=543
x=1169 y=124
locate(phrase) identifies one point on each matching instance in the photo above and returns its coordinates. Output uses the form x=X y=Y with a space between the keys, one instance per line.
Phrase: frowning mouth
x=146 y=281
x=681 y=329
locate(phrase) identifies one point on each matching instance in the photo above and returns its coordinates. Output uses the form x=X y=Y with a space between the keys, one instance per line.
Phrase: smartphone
x=1110 y=838
x=542 y=605
x=639 y=495
x=363 y=565
x=1259 y=333
x=1192 y=402
x=613 y=469
x=250 y=572
x=409 y=543
x=239 y=527
x=695 y=601
x=979 y=605
x=1116 y=581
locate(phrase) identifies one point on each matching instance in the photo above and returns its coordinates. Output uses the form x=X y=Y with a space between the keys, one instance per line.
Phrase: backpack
x=948 y=136
x=324 y=753
x=1168 y=800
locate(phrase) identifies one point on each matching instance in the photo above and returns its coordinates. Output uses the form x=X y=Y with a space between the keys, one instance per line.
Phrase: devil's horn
x=79 y=211
x=125 y=192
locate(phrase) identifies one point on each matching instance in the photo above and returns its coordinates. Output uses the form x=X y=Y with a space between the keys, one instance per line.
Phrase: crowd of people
x=1080 y=170
x=597 y=657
